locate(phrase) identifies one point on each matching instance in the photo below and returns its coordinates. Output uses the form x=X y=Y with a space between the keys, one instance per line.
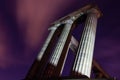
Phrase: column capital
x=69 y=21
x=54 y=27
x=95 y=11
x=78 y=15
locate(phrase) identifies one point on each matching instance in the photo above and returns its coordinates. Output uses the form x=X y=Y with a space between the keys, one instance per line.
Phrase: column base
x=49 y=71
x=78 y=75
x=72 y=78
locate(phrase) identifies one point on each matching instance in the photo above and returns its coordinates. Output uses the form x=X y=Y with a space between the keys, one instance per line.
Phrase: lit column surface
x=91 y=44
x=37 y=67
x=83 y=60
x=53 y=29
x=61 y=42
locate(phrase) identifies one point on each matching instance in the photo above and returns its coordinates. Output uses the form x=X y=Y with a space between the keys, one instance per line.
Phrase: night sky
x=23 y=29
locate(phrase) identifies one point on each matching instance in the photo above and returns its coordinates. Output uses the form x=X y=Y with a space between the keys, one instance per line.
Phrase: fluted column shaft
x=91 y=44
x=53 y=29
x=60 y=44
x=83 y=60
x=57 y=52
x=38 y=66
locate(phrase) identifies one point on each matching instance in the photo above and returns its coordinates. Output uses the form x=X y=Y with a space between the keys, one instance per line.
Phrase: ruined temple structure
x=51 y=60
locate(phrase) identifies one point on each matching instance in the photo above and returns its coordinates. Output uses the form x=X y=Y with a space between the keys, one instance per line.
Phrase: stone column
x=61 y=42
x=83 y=60
x=52 y=31
x=38 y=66
x=91 y=44
x=57 y=52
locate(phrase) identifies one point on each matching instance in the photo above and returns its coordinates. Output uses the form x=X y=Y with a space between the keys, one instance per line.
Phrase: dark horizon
x=23 y=29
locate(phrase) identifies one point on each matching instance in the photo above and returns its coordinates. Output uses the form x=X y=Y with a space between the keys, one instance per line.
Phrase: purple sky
x=23 y=29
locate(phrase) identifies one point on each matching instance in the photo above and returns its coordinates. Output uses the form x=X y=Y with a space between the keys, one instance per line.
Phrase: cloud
x=33 y=17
